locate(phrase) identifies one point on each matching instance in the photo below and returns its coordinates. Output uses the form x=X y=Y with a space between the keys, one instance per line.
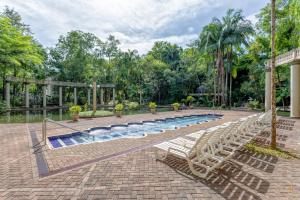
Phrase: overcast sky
x=136 y=23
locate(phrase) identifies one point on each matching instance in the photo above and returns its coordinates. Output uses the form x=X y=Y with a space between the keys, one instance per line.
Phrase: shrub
x=85 y=107
x=152 y=105
x=119 y=107
x=75 y=109
x=190 y=99
x=133 y=105
x=176 y=105
x=253 y=104
x=2 y=106
x=183 y=101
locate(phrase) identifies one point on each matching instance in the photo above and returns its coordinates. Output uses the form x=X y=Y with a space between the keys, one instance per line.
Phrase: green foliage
x=2 y=106
x=176 y=105
x=133 y=105
x=190 y=99
x=152 y=105
x=75 y=109
x=98 y=113
x=253 y=104
x=119 y=107
x=85 y=107
x=256 y=148
x=227 y=49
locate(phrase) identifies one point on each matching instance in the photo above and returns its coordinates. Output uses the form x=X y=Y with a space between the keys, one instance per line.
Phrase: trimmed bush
x=75 y=110
x=152 y=105
x=119 y=107
x=133 y=105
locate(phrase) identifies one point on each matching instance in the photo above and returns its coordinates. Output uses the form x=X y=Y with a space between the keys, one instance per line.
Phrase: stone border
x=41 y=162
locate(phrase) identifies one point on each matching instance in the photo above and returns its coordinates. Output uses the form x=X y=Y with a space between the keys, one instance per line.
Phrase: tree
x=19 y=53
x=273 y=83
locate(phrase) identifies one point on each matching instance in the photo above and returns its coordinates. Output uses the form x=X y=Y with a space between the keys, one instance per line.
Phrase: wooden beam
x=46 y=82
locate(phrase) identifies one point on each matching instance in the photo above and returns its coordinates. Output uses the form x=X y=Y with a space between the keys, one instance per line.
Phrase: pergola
x=293 y=58
x=60 y=84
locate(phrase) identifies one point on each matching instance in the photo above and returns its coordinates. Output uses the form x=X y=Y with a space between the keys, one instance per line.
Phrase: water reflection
x=34 y=116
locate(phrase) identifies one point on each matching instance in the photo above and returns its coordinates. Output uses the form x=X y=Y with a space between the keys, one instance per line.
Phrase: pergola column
x=101 y=96
x=88 y=96
x=295 y=89
x=60 y=96
x=75 y=96
x=268 y=89
x=94 y=96
x=44 y=96
x=7 y=95
x=27 y=95
x=114 y=96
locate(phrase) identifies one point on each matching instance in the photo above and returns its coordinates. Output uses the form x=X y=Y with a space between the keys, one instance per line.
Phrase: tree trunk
x=230 y=90
x=215 y=90
x=273 y=91
x=226 y=87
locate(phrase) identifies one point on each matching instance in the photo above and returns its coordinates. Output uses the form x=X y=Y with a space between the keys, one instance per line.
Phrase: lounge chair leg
x=195 y=172
x=160 y=157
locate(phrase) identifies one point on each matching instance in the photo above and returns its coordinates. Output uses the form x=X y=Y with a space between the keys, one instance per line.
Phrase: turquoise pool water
x=130 y=130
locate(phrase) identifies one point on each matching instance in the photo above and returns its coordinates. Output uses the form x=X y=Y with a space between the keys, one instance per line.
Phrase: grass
x=269 y=151
x=98 y=113
x=283 y=113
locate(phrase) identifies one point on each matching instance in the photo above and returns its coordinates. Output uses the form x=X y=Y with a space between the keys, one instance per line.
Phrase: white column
x=295 y=90
x=114 y=96
x=27 y=95
x=44 y=96
x=101 y=96
x=7 y=95
x=60 y=96
x=75 y=96
x=268 y=89
x=89 y=97
x=94 y=96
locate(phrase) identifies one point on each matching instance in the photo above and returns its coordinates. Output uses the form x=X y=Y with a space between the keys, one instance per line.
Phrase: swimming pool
x=130 y=130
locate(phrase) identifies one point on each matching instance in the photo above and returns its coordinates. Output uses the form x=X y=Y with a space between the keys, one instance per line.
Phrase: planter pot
x=153 y=110
x=75 y=117
x=118 y=113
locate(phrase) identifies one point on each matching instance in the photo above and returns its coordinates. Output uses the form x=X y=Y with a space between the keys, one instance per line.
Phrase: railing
x=286 y=57
x=44 y=128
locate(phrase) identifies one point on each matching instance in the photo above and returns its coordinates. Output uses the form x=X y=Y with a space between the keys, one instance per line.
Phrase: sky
x=136 y=23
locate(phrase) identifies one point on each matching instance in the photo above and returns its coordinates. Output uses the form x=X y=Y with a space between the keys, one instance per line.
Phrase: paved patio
x=127 y=169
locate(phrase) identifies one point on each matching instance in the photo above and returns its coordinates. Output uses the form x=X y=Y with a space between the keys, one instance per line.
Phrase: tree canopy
x=227 y=60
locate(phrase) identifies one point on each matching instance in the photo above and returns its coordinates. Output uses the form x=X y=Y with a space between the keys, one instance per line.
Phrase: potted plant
x=119 y=108
x=152 y=106
x=190 y=100
x=75 y=110
x=176 y=106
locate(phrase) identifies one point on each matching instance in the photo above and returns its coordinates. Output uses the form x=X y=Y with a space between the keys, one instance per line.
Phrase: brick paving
x=136 y=174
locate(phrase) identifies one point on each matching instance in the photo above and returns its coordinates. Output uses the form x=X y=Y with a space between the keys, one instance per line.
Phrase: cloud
x=137 y=24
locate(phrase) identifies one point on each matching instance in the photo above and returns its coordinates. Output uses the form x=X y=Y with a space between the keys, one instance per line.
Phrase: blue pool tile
x=78 y=139
x=67 y=141
x=54 y=143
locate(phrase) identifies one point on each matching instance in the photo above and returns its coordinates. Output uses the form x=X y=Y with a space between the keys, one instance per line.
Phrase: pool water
x=130 y=130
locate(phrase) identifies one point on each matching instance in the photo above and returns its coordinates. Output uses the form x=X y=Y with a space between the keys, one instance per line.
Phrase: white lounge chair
x=195 y=156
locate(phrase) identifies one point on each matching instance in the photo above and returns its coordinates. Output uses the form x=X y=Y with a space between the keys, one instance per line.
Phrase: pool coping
x=86 y=131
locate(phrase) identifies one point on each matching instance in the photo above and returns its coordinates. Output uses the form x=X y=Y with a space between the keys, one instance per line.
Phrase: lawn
x=98 y=113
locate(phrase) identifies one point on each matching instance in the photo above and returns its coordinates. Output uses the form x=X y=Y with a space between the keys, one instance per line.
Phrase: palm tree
x=236 y=30
x=273 y=90
x=221 y=38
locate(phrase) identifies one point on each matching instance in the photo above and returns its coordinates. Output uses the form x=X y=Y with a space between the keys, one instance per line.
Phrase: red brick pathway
x=138 y=175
